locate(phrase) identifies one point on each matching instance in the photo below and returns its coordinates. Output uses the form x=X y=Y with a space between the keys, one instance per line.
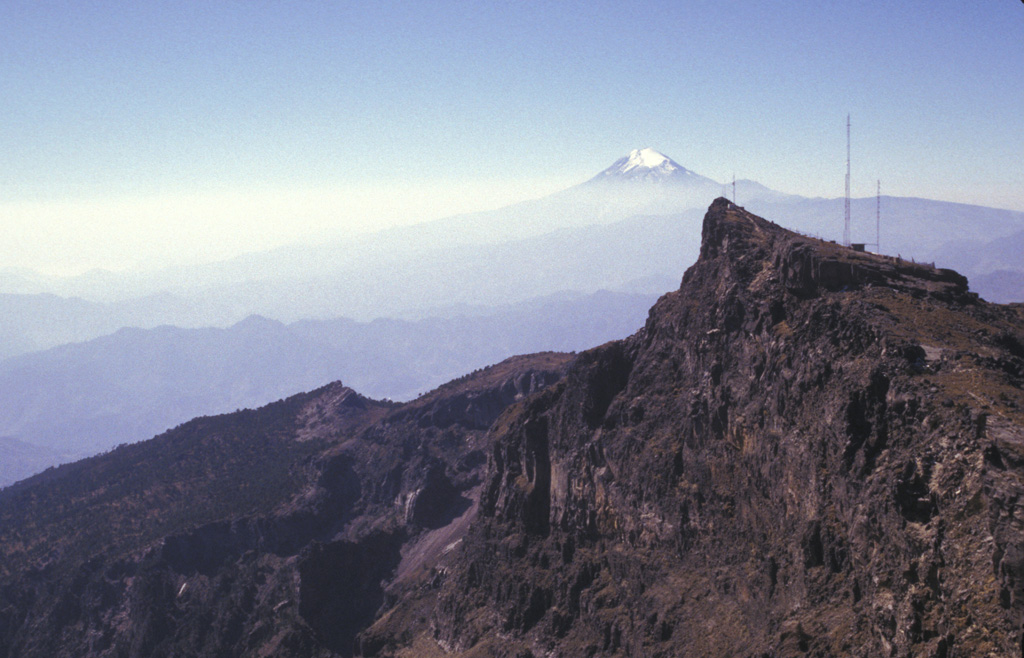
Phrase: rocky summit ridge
x=806 y=451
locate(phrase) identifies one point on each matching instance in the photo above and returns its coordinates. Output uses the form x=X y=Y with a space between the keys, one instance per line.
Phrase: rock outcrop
x=268 y=532
x=806 y=451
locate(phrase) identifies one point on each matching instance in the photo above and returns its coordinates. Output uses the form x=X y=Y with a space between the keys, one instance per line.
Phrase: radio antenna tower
x=734 y=189
x=878 y=218
x=846 y=225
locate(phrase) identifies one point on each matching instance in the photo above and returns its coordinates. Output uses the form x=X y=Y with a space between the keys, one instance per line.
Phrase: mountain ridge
x=78 y=399
x=805 y=451
x=265 y=282
x=790 y=453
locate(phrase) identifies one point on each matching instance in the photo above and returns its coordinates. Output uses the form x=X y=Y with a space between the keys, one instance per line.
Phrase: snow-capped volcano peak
x=647 y=164
x=649 y=159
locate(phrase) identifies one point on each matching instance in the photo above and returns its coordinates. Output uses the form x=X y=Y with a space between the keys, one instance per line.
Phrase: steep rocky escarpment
x=806 y=451
x=267 y=532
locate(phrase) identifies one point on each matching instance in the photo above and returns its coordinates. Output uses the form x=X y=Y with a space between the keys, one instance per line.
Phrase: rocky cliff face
x=268 y=532
x=805 y=451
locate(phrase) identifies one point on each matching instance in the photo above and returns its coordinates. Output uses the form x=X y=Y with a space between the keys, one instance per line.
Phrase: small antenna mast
x=734 y=188
x=846 y=218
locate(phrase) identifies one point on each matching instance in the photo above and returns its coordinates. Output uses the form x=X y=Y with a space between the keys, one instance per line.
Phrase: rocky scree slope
x=807 y=451
x=265 y=532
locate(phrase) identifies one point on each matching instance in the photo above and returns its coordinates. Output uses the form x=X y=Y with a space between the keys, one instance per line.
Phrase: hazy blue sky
x=194 y=130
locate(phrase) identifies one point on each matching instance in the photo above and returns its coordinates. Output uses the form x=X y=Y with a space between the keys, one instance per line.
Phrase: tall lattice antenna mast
x=878 y=218
x=734 y=189
x=846 y=217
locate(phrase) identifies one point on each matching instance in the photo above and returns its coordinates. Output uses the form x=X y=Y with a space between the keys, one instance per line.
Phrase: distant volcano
x=649 y=165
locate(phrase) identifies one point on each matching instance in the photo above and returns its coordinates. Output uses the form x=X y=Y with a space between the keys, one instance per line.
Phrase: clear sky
x=138 y=133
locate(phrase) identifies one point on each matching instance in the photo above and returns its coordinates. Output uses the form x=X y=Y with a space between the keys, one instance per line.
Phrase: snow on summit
x=648 y=158
x=648 y=165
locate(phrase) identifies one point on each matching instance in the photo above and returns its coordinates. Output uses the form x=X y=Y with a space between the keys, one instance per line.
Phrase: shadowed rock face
x=268 y=532
x=805 y=451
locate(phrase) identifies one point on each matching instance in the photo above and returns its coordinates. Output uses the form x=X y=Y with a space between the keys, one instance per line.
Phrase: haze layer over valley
x=808 y=449
x=400 y=311
x=626 y=229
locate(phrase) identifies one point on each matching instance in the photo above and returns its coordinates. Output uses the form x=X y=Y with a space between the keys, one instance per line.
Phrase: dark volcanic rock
x=806 y=451
x=268 y=532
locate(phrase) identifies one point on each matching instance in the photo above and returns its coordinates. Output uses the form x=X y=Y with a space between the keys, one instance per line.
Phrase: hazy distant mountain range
x=635 y=221
x=38 y=321
x=808 y=451
x=79 y=399
x=631 y=229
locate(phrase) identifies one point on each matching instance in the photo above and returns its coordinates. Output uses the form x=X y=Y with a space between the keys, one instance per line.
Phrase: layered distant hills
x=804 y=451
x=78 y=399
x=424 y=303
x=582 y=239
